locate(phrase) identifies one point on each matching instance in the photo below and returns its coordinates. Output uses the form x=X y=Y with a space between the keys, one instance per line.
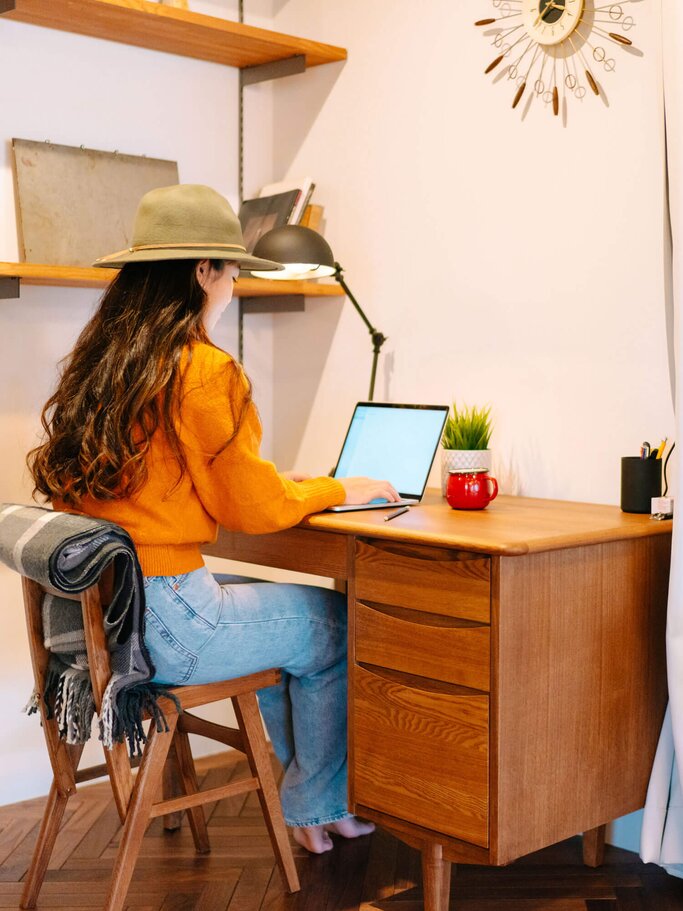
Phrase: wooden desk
x=507 y=677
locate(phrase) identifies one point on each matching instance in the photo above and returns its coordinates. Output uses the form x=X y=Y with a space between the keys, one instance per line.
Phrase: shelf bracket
x=280 y=303
x=276 y=69
x=9 y=287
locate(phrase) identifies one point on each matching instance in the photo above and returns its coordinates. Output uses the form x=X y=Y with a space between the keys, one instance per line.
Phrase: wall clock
x=557 y=48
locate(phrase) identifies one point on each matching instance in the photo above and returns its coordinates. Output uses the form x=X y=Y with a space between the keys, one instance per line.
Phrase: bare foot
x=314 y=838
x=351 y=827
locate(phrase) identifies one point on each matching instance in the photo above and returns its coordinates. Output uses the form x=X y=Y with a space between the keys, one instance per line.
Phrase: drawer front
x=456 y=651
x=420 y=753
x=427 y=579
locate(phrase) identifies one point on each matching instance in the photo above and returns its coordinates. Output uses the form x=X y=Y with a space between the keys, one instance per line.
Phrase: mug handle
x=493 y=495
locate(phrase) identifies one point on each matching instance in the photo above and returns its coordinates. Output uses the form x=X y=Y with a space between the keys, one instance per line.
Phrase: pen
x=645 y=450
x=396 y=512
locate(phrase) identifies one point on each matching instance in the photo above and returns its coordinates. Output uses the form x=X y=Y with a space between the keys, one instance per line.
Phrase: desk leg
x=594 y=846
x=436 y=878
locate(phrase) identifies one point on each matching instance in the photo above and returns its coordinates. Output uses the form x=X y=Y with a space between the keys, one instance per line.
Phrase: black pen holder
x=641 y=479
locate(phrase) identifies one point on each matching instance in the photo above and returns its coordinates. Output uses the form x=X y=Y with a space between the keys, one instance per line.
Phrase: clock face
x=556 y=51
x=551 y=21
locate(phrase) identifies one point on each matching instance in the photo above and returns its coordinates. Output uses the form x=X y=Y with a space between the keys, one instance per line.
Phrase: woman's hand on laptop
x=364 y=490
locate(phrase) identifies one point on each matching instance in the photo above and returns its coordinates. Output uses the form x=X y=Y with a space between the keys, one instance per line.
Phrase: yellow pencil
x=660 y=451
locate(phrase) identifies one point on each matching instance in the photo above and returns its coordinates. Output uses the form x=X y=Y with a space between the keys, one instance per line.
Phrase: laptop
x=396 y=443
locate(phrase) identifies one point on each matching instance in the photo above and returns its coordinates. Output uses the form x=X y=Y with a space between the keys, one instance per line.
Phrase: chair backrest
x=63 y=757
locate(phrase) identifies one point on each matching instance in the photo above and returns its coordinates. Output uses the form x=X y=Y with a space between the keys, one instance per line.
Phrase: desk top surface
x=510 y=525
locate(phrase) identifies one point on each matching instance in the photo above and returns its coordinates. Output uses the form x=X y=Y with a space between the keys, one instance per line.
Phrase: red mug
x=470 y=488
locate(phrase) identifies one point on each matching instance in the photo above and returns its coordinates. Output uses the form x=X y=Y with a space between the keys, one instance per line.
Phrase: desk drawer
x=420 y=752
x=456 y=651
x=430 y=579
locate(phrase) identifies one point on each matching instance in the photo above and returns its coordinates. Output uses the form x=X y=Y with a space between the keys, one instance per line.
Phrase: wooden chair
x=137 y=798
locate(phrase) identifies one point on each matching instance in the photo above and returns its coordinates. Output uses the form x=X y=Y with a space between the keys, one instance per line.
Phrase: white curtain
x=662 y=834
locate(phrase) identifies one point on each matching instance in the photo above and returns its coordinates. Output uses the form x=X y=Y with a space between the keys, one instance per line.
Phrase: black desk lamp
x=306 y=254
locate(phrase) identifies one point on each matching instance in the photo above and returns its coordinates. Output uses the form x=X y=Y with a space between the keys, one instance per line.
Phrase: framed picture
x=265 y=213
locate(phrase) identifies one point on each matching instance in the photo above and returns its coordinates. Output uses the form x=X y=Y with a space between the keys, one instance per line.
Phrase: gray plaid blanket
x=69 y=553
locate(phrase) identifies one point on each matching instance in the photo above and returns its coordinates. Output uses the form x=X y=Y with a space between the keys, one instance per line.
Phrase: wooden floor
x=377 y=873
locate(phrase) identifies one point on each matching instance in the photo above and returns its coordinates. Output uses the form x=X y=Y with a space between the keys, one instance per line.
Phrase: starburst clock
x=553 y=46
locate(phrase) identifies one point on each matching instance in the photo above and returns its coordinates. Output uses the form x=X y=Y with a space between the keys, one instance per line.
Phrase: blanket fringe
x=68 y=699
x=33 y=704
x=124 y=721
x=73 y=706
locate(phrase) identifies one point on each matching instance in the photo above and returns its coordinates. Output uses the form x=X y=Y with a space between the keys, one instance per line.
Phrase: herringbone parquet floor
x=371 y=874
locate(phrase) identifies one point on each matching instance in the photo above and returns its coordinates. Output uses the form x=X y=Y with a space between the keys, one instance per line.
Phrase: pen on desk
x=397 y=512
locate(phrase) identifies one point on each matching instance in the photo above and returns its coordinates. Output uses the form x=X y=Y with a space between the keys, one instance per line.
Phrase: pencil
x=397 y=512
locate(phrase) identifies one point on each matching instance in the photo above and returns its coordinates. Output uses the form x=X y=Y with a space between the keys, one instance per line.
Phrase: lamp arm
x=378 y=338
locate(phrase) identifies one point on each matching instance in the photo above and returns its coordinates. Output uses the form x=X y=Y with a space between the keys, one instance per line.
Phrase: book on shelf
x=304 y=184
x=263 y=213
x=312 y=217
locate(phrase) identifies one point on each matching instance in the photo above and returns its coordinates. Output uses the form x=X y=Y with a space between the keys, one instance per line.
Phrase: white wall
x=512 y=262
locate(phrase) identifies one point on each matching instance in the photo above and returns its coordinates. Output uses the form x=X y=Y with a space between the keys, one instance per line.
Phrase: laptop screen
x=396 y=443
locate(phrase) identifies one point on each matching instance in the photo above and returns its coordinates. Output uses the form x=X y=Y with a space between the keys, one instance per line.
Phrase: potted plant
x=465 y=441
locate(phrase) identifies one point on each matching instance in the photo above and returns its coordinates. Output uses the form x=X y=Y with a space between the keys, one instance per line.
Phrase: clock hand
x=541 y=16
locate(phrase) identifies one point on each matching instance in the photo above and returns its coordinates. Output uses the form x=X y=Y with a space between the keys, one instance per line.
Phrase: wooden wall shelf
x=80 y=277
x=164 y=28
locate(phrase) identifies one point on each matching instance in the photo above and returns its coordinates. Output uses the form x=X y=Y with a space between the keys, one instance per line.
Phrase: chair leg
x=66 y=759
x=249 y=720
x=188 y=777
x=171 y=788
x=120 y=776
x=137 y=818
x=49 y=828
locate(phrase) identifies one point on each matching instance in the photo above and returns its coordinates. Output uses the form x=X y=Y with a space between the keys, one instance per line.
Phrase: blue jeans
x=200 y=631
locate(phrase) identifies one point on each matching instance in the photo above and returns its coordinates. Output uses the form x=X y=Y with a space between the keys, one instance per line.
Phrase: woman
x=153 y=427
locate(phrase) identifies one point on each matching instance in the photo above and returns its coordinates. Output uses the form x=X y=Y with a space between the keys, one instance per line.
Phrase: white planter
x=462 y=458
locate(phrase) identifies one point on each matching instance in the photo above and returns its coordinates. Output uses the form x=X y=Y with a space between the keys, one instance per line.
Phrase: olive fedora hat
x=186 y=221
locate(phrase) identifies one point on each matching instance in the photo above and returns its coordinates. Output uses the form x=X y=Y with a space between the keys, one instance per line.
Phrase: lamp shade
x=303 y=252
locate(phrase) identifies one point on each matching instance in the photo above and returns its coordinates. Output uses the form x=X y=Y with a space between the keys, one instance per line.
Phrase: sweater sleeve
x=239 y=489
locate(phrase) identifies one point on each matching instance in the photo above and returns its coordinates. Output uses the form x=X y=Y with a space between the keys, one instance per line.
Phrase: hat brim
x=246 y=261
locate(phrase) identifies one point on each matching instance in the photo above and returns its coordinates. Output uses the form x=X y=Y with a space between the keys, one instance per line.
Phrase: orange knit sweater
x=169 y=521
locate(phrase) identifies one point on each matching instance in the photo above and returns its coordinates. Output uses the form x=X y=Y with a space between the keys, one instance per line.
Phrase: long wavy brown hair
x=121 y=383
